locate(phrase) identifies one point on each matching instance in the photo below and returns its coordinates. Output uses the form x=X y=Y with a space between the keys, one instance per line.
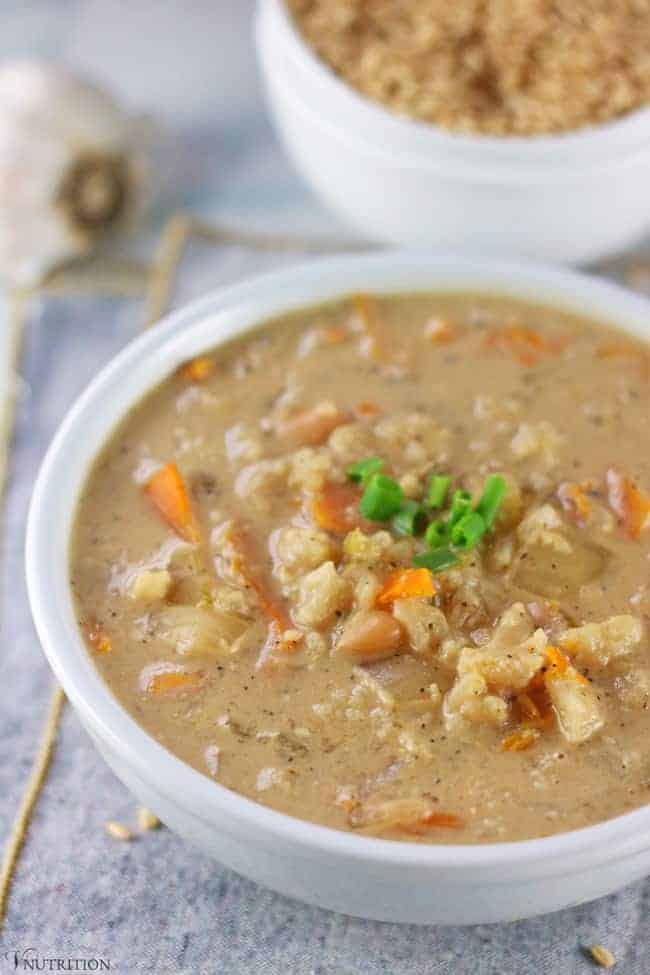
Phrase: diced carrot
x=198 y=370
x=525 y=345
x=336 y=508
x=434 y=820
x=439 y=331
x=248 y=563
x=520 y=740
x=628 y=502
x=561 y=666
x=377 y=343
x=334 y=335
x=559 y=662
x=406 y=584
x=168 y=493
x=99 y=640
x=311 y=427
x=626 y=350
x=575 y=501
x=167 y=678
x=366 y=409
x=533 y=706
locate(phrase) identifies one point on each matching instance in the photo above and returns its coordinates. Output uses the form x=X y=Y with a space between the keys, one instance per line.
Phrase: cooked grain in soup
x=383 y=565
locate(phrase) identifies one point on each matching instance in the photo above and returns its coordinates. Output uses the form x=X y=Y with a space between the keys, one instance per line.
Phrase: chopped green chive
x=436 y=534
x=438 y=491
x=468 y=530
x=437 y=560
x=461 y=504
x=381 y=499
x=410 y=519
x=495 y=490
x=361 y=472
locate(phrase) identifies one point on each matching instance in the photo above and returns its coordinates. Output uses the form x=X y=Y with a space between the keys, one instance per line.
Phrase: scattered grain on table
x=602 y=956
x=118 y=831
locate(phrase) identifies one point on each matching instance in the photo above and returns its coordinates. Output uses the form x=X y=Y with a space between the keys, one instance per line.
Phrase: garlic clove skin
x=74 y=167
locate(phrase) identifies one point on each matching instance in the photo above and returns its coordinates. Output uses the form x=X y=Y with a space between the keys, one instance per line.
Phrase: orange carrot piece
x=525 y=345
x=311 y=427
x=615 y=350
x=336 y=508
x=168 y=493
x=99 y=640
x=434 y=820
x=366 y=410
x=520 y=740
x=561 y=666
x=575 y=501
x=440 y=331
x=376 y=342
x=334 y=334
x=628 y=502
x=248 y=563
x=167 y=678
x=406 y=584
x=559 y=662
x=198 y=370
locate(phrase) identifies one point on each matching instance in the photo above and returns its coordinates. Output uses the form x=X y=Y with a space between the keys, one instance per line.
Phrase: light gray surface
x=155 y=905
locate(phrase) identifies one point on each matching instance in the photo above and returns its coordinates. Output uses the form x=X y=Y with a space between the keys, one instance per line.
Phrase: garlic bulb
x=74 y=167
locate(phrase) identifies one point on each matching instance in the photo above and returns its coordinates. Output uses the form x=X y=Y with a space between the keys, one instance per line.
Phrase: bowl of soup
x=345 y=571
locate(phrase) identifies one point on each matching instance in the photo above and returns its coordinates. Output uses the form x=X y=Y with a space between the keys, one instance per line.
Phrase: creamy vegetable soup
x=384 y=565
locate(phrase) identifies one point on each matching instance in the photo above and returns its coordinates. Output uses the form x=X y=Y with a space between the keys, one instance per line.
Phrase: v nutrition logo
x=31 y=960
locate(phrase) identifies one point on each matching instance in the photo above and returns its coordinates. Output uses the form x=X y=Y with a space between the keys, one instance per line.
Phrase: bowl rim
x=593 y=145
x=104 y=404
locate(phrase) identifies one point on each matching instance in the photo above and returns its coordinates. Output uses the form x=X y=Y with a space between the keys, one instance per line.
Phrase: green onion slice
x=438 y=491
x=410 y=519
x=437 y=560
x=495 y=490
x=436 y=534
x=468 y=530
x=461 y=504
x=381 y=499
x=362 y=471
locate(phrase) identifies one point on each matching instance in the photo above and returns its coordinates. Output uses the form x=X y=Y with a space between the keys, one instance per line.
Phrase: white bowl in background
x=570 y=198
x=362 y=876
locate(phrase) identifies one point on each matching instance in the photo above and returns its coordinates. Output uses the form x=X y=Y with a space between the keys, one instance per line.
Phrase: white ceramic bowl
x=390 y=881
x=570 y=198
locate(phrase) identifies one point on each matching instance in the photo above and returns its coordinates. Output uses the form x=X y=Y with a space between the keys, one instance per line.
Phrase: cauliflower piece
x=321 y=595
x=512 y=657
x=151 y=585
x=576 y=706
x=412 y=484
x=309 y=468
x=539 y=440
x=370 y=549
x=298 y=550
x=257 y=483
x=596 y=644
x=195 y=631
x=544 y=527
x=242 y=445
x=634 y=688
x=469 y=699
x=351 y=442
x=416 y=435
x=425 y=625
x=366 y=588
